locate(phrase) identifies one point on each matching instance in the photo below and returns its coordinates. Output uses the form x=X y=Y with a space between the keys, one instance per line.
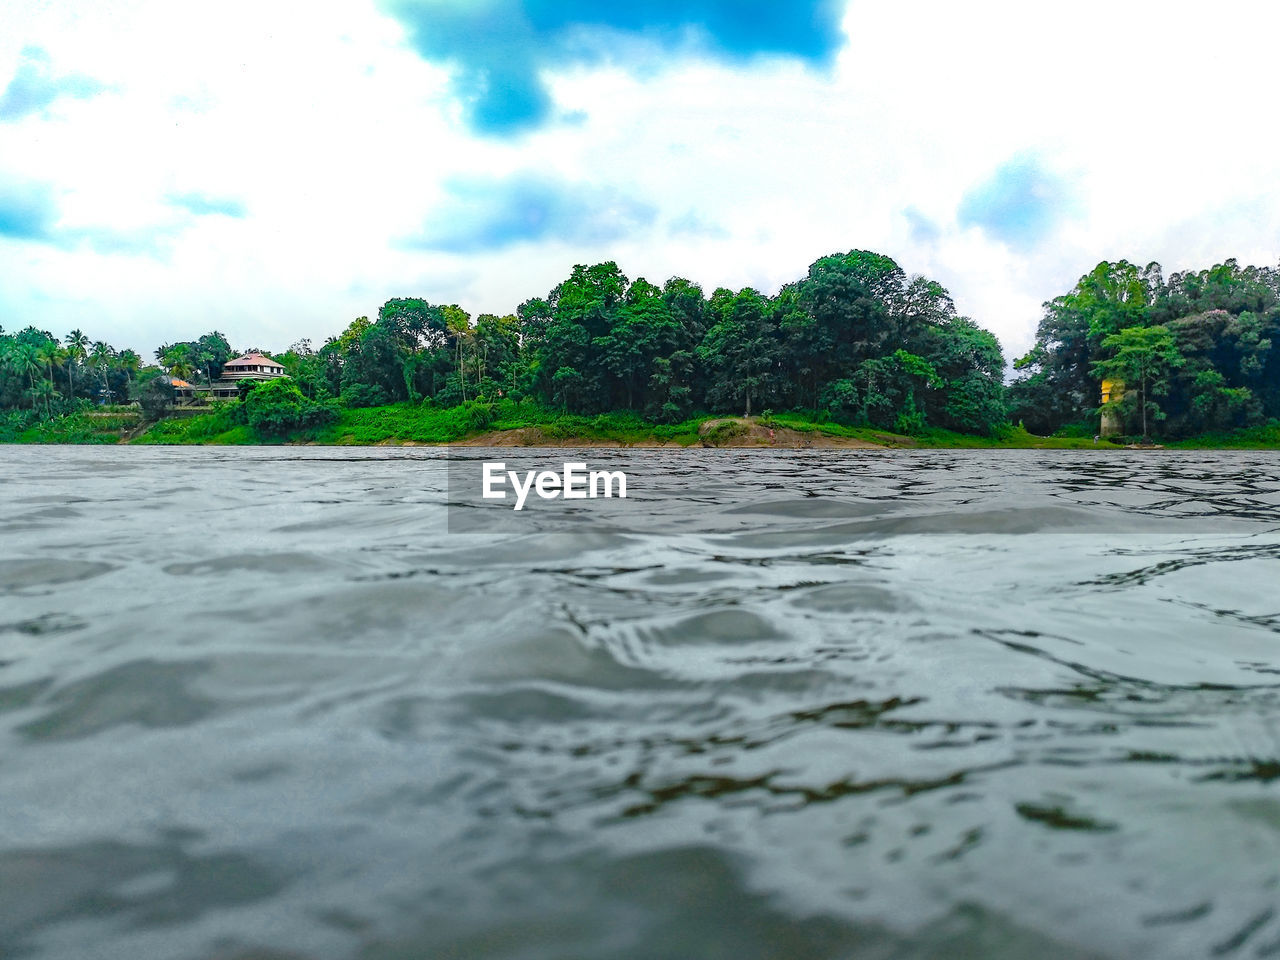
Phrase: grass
x=80 y=427
x=406 y=423
x=216 y=427
x=931 y=437
x=414 y=423
x=1263 y=437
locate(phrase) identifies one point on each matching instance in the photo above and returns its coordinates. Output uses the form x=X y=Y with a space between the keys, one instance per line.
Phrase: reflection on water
x=260 y=704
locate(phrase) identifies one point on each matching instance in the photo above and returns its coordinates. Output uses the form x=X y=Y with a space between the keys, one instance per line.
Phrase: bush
x=355 y=395
x=840 y=400
x=154 y=394
x=277 y=408
x=477 y=415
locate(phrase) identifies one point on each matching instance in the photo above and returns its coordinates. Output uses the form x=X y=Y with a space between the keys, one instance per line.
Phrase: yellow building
x=1112 y=425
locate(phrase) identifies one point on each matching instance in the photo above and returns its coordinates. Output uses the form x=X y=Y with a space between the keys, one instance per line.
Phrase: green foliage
x=856 y=344
x=277 y=408
x=724 y=431
x=1223 y=322
x=210 y=428
x=1264 y=436
x=26 y=426
x=154 y=394
x=1143 y=358
x=364 y=395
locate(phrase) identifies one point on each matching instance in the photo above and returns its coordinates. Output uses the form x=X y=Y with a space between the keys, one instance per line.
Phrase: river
x=286 y=703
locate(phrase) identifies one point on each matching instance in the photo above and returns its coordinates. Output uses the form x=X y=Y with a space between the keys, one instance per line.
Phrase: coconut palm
x=26 y=361
x=77 y=349
x=178 y=358
x=129 y=362
x=100 y=358
x=47 y=355
x=43 y=390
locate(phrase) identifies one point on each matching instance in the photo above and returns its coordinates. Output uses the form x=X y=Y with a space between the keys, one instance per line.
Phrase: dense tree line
x=48 y=376
x=1193 y=351
x=855 y=339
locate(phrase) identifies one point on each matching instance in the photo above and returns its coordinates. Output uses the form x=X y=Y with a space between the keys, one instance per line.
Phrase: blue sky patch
x=26 y=212
x=483 y=214
x=693 y=224
x=1019 y=205
x=923 y=230
x=34 y=86
x=203 y=205
x=498 y=47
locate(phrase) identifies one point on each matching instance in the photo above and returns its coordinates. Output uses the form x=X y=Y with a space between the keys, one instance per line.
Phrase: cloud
x=482 y=214
x=1019 y=205
x=692 y=224
x=923 y=230
x=203 y=205
x=26 y=212
x=498 y=47
x=34 y=86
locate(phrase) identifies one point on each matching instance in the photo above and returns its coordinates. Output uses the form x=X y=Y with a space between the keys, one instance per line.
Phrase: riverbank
x=519 y=425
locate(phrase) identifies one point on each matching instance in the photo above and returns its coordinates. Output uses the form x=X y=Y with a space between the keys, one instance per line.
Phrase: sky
x=274 y=170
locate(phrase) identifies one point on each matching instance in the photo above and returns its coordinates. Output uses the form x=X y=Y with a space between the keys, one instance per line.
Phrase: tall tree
x=77 y=346
x=1144 y=356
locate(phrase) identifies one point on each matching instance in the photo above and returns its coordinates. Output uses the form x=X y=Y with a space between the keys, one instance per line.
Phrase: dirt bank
x=733 y=432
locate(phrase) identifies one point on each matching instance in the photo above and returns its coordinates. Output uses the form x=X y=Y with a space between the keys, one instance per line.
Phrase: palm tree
x=27 y=361
x=77 y=348
x=458 y=324
x=100 y=357
x=43 y=390
x=178 y=358
x=46 y=355
x=129 y=362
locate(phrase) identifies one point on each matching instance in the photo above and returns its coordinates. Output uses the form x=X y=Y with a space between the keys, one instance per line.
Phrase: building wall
x=1112 y=426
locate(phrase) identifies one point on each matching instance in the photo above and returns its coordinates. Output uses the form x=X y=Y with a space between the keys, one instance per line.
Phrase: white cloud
x=336 y=141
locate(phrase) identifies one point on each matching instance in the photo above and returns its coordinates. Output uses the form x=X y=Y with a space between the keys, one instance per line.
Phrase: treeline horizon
x=855 y=340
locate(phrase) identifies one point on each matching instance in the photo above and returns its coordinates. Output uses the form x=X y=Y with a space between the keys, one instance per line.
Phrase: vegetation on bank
x=856 y=349
x=417 y=424
x=1197 y=353
x=81 y=426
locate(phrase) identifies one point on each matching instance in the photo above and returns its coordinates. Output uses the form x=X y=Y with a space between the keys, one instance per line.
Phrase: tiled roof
x=252 y=359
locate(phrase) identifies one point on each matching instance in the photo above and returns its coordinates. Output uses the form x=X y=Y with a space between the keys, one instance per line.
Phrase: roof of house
x=180 y=384
x=252 y=359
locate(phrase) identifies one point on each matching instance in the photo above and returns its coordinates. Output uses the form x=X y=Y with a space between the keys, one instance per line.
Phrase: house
x=184 y=393
x=252 y=366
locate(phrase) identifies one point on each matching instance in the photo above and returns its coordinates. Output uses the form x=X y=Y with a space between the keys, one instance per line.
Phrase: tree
x=26 y=360
x=178 y=358
x=1145 y=356
x=154 y=393
x=47 y=354
x=969 y=365
x=276 y=408
x=100 y=358
x=741 y=349
x=77 y=349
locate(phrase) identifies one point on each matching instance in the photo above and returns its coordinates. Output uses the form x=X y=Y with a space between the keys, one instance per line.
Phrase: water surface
x=260 y=703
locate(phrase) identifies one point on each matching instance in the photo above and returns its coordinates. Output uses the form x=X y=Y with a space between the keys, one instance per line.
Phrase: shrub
x=277 y=408
x=356 y=395
x=154 y=394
